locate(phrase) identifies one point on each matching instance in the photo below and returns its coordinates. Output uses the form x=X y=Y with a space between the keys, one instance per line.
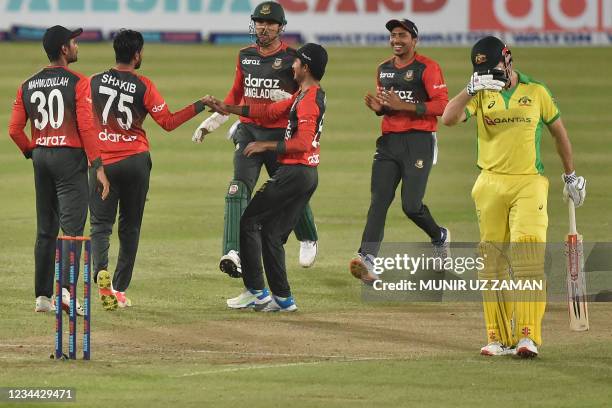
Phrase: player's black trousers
x=267 y=222
x=405 y=157
x=60 y=178
x=129 y=180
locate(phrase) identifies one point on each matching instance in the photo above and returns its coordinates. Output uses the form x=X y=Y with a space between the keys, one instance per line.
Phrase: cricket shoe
x=230 y=264
x=526 y=348
x=362 y=267
x=278 y=304
x=250 y=298
x=105 y=291
x=441 y=247
x=44 y=304
x=308 y=253
x=66 y=303
x=122 y=300
x=496 y=349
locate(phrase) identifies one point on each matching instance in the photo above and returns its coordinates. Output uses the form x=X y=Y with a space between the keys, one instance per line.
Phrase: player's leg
x=528 y=224
x=70 y=169
x=305 y=229
x=415 y=150
x=47 y=228
x=276 y=230
x=102 y=215
x=492 y=208
x=135 y=172
x=246 y=173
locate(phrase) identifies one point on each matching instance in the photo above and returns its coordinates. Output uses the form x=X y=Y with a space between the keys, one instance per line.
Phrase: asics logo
x=158 y=108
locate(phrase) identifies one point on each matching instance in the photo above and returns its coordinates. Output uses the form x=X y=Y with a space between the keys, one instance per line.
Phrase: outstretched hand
x=373 y=103
x=389 y=99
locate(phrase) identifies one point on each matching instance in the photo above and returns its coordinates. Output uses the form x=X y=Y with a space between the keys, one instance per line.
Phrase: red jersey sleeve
x=19 y=118
x=307 y=116
x=234 y=96
x=85 y=122
x=272 y=111
x=436 y=89
x=157 y=108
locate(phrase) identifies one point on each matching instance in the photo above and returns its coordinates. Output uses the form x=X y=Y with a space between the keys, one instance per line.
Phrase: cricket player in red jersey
x=275 y=209
x=263 y=75
x=121 y=101
x=411 y=95
x=56 y=101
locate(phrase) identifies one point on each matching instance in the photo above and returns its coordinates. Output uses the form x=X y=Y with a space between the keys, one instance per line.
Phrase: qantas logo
x=496 y=121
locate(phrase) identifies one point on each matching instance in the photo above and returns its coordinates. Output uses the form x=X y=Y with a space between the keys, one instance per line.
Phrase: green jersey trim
x=538 y=141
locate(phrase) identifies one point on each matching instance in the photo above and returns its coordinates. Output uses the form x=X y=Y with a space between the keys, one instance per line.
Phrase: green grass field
x=180 y=344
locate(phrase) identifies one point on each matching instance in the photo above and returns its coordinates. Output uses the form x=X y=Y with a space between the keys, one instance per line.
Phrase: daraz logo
x=116 y=6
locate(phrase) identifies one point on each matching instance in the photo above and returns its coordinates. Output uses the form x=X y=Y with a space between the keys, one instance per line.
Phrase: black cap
x=405 y=24
x=315 y=57
x=57 y=36
x=488 y=52
x=269 y=10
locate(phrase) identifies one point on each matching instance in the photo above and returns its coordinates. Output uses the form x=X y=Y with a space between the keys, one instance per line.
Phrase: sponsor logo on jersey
x=386 y=75
x=278 y=63
x=409 y=75
x=524 y=101
x=48 y=82
x=259 y=87
x=439 y=86
x=51 y=141
x=158 y=108
x=491 y=104
x=246 y=61
x=497 y=121
x=405 y=96
x=105 y=136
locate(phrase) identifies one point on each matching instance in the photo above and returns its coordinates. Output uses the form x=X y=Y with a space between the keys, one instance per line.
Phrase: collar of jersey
x=280 y=47
x=404 y=65
x=507 y=93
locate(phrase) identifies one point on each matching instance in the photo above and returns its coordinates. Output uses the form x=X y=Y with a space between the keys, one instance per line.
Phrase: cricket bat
x=576 y=282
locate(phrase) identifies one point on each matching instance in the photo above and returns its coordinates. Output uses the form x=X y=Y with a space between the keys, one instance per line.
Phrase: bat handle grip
x=572 y=217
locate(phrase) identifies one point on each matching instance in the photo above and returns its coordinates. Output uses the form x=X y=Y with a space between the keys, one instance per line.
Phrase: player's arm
x=574 y=186
x=271 y=112
x=455 y=110
x=87 y=134
x=158 y=109
x=19 y=118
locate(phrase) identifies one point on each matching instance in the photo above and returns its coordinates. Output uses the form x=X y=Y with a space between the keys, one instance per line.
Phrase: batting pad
x=236 y=201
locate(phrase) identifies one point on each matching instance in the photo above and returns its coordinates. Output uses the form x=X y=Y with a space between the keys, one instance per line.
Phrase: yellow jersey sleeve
x=549 y=112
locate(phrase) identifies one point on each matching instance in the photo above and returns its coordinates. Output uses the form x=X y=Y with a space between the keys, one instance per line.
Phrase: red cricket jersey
x=306 y=112
x=419 y=81
x=256 y=75
x=57 y=102
x=121 y=101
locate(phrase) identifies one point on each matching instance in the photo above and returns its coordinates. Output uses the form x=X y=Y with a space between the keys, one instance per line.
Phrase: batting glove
x=480 y=82
x=574 y=189
x=279 y=95
x=208 y=125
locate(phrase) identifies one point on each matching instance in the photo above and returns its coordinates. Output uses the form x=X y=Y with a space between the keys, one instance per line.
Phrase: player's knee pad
x=494 y=259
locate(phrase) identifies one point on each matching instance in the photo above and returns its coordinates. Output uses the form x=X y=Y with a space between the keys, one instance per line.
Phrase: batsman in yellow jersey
x=511 y=110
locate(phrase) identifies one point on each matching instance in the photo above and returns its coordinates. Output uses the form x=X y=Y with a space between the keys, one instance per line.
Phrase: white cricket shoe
x=308 y=253
x=526 y=348
x=278 y=304
x=495 y=349
x=66 y=303
x=362 y=267
x=230 y=264
x=44 y=304
x=250 y=298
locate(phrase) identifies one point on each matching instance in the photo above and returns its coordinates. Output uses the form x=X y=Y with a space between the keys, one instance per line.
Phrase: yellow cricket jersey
x=510 y=126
